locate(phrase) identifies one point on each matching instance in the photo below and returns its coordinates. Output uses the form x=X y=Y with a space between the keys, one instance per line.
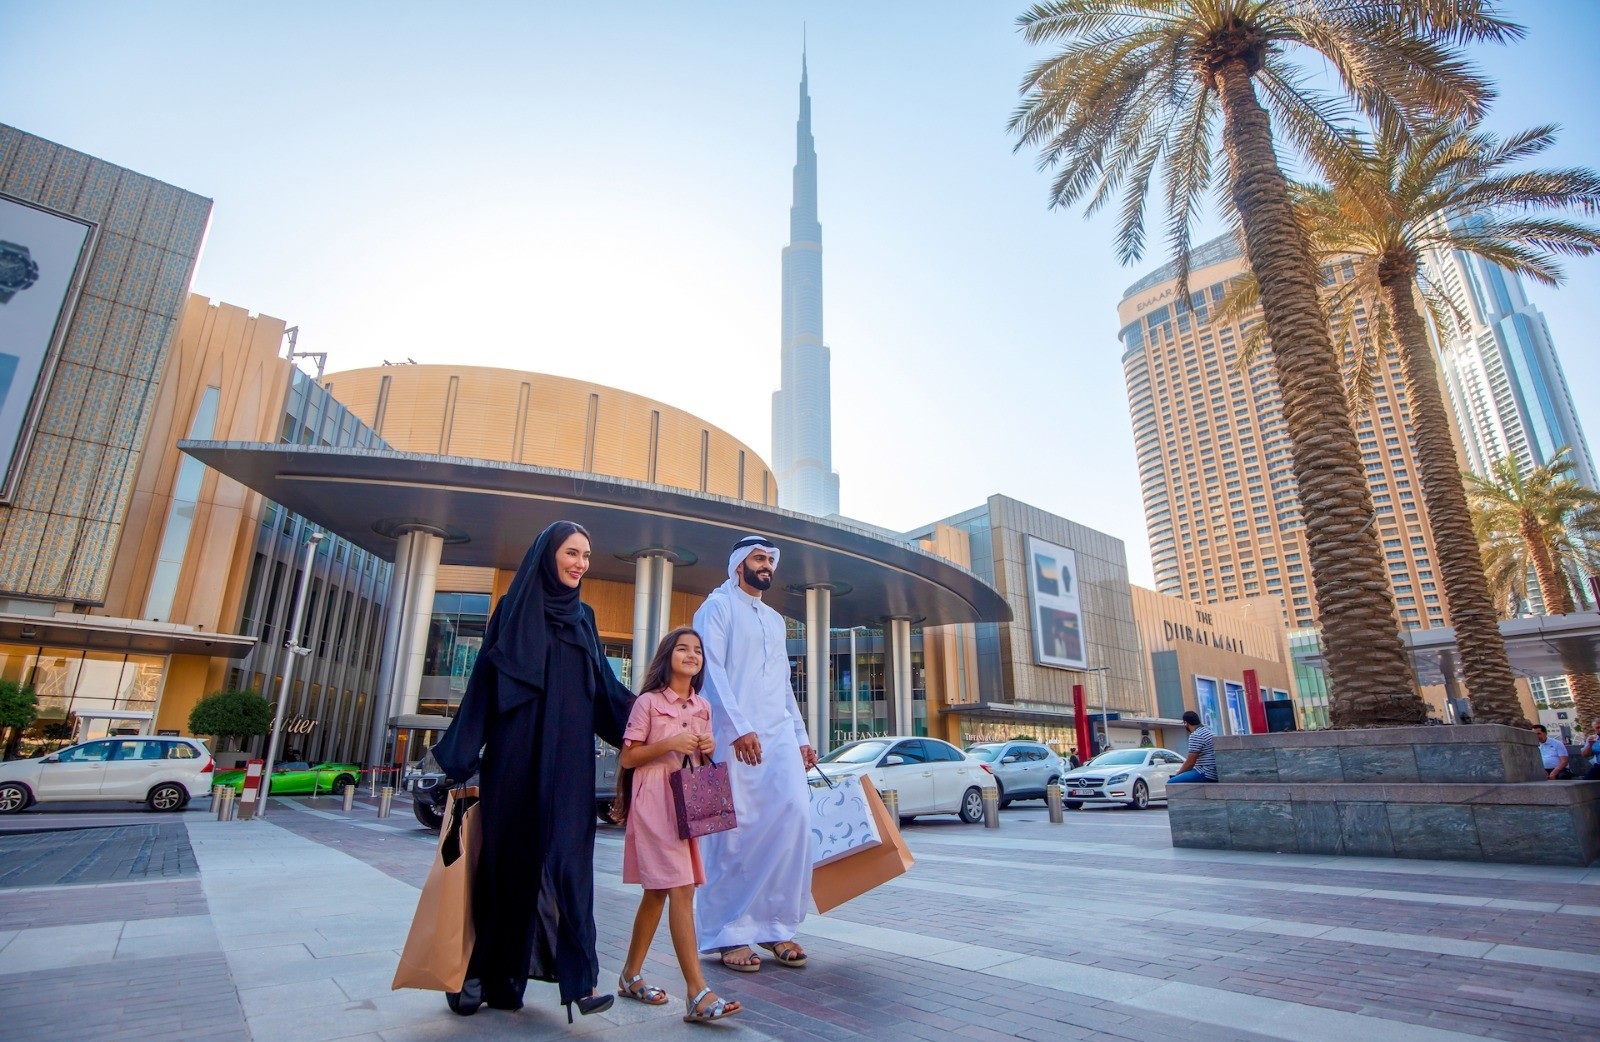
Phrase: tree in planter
x=231 y=714
x=1390 y=200
x=1138 y=92
x=18 y=706
x=1546 y=522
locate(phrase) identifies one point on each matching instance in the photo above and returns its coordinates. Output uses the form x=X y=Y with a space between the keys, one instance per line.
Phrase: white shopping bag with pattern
x=841 y=821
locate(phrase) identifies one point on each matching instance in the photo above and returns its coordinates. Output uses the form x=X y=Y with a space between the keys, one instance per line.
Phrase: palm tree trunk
x=1370 y=682
x=1484 y=665
x=1557 y=599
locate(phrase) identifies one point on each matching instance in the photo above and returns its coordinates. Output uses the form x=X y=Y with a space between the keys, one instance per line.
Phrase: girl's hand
x=682 y=744
x=708 y=745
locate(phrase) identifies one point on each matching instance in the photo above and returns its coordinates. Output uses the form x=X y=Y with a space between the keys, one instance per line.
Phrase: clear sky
x=602 y=191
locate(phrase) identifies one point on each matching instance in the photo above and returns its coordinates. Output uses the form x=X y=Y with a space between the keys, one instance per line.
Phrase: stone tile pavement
x=1095 y=929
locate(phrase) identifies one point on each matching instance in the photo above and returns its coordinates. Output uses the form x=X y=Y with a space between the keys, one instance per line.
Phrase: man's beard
x=754 y=579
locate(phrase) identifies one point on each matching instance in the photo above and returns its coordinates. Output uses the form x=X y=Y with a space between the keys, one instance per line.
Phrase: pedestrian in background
x=1591 y=749
x=670 y=724
x=1552 y=753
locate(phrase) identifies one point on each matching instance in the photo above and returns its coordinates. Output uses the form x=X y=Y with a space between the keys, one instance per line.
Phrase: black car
x=429 y=787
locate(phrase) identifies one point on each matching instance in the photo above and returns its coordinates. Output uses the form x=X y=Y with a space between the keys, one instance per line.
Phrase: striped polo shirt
x=1205 y=760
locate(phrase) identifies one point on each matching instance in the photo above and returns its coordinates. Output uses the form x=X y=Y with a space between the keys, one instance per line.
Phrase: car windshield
x=1118 y=758
x=856 y=752
x=986 y=753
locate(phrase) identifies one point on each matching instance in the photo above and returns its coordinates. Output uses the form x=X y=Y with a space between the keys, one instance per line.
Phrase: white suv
x=163 y=772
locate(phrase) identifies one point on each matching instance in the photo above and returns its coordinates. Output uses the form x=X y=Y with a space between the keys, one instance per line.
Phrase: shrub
x=231 y=714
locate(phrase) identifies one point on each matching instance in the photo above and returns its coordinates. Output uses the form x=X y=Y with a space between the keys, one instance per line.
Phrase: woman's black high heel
x=591 y=1004
x=465 y=1002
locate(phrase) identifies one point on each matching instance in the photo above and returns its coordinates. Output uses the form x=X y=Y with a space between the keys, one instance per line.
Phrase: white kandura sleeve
x=715 y=624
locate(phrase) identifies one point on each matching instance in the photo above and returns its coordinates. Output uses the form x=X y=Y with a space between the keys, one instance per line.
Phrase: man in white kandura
x=758 y=876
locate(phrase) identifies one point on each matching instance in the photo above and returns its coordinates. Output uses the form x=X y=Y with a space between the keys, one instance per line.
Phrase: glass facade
x=343 y=624
x=865 y=678
x=454 y=637
x=180 y=515
x=1311 y=683
x=85 y=690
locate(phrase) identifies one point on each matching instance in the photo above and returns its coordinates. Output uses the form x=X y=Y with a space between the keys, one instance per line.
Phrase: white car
x=163 y=772
x=931 y=776
x=1131 y=776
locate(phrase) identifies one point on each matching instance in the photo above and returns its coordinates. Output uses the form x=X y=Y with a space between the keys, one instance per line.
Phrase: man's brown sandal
x=750 y=962
x=787 y=953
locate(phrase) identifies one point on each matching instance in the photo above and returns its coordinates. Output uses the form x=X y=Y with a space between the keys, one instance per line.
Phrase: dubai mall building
x=167 y=460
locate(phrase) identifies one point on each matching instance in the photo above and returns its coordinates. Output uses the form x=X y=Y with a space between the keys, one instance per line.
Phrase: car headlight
x=1117 y=779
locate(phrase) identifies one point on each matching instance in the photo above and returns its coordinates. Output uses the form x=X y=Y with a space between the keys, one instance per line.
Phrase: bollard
x=372 y=783
x=891 y=803
x=216 y=798
x=225 y=805
x=385 y=797
x=349 y=797
x=1052 y=800
x=991 y=808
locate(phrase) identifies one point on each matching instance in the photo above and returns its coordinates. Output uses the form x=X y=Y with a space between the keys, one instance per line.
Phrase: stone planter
x=1474 y=792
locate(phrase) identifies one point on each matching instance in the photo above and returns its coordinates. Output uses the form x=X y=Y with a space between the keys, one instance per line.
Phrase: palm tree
x=1136 y=92
x=1391 y=199
x=1547 y=522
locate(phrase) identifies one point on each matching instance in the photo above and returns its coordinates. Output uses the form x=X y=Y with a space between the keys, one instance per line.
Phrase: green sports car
x=296 y=778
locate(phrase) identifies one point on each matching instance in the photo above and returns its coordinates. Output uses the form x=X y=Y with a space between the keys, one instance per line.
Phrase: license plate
x=1083 y=792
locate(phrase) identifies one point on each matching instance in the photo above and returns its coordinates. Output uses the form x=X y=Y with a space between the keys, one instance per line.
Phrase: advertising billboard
x=1057 y=616
x=42 y=258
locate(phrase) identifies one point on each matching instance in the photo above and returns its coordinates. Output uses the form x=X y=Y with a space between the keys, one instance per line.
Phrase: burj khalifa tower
x=802 y=408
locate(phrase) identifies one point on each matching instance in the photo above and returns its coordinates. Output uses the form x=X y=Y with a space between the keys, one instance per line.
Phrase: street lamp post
x=295 y=652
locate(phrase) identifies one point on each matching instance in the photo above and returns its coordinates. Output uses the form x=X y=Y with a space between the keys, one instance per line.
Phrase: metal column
x=819 y=663
x=652 y=608
x=897 y=674
x=393 y=615
x=427 y=547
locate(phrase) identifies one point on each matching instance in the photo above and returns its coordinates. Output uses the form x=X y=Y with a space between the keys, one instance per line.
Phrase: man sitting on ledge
x=1201 y=766
x=1553 y=754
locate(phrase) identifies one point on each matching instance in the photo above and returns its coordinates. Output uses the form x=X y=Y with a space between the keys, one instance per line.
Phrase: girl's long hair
x=656 y=678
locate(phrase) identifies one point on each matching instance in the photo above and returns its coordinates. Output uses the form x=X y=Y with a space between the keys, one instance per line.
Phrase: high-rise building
x=802 y=409
x=1500 y=369
x=1220 y=496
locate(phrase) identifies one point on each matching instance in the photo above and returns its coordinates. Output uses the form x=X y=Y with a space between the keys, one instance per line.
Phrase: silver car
x=1022 y=769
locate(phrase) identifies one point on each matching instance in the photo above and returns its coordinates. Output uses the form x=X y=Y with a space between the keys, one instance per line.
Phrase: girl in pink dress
x=669 y=722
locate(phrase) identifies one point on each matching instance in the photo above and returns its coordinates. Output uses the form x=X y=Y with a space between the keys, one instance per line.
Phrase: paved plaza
x=178 y=927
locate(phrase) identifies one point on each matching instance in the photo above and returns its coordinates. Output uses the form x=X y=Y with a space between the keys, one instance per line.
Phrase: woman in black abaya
x=540 y=691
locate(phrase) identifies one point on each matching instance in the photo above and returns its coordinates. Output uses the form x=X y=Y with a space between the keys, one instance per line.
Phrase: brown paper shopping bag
x=440 y=942
x=838 y=881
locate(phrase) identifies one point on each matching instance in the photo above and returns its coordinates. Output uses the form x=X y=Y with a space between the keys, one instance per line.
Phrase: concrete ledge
x=1447 y=755
x=1542 y=823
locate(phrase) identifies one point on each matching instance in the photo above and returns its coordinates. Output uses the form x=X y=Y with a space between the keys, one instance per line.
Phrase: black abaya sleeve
x=459 y=751
x=613 y=702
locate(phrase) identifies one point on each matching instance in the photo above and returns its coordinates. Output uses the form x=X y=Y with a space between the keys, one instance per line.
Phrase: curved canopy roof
x=492 y=511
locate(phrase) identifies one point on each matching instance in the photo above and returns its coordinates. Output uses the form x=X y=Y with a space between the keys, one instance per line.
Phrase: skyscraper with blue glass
x=1505 y=383
x=802 y=408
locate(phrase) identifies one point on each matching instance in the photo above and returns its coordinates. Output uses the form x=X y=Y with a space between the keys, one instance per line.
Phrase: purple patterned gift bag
x=703 y=797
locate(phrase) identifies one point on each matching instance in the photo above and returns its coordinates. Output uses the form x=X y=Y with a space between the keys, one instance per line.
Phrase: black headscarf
x=517 y=639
